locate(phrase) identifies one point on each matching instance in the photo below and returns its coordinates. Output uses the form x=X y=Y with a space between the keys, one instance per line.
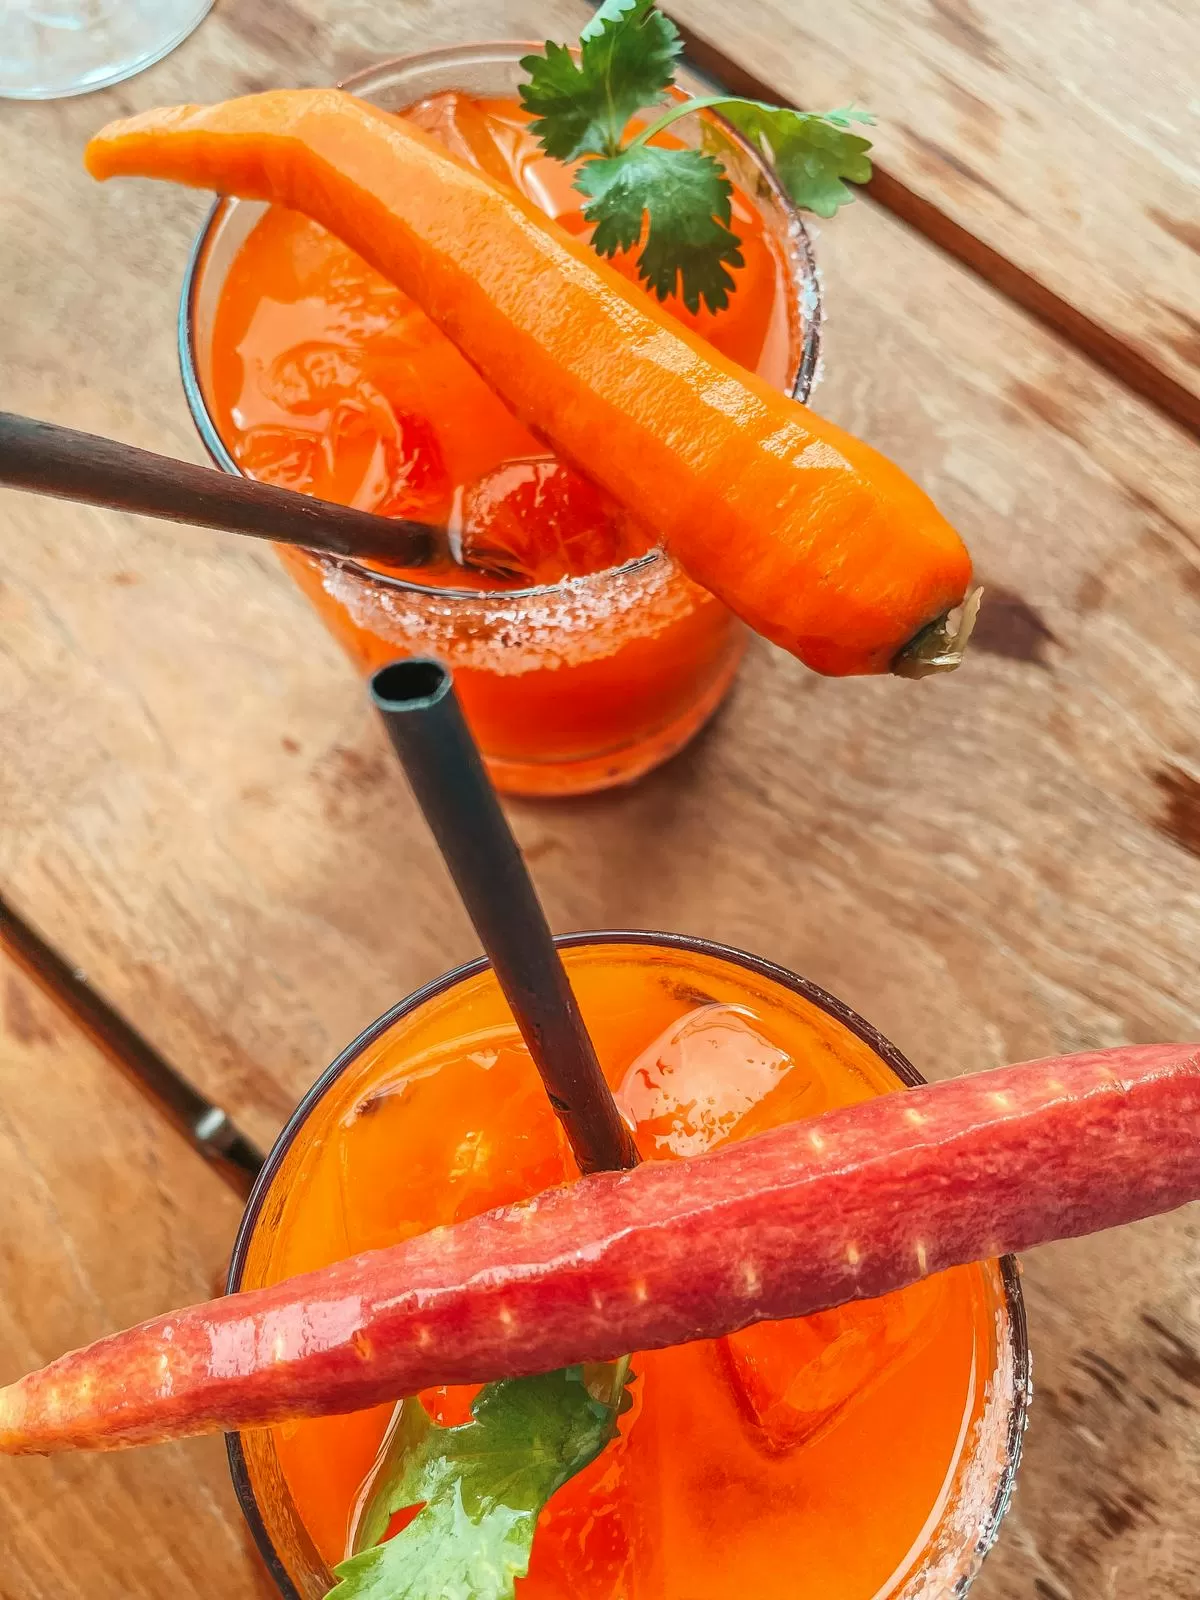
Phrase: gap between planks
x=1130 y=367
x=207 y=1128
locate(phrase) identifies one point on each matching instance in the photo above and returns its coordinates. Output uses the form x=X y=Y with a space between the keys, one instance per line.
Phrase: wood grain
x=1054 y=144
x=108 y=1218
x=1105 y=1505
x=200 y=807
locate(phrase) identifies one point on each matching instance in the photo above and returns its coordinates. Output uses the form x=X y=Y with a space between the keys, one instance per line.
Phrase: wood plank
x=108 y=1218
x=991 y=867
x=1105 y=1505
x=206 y=1127
x=1055 y=145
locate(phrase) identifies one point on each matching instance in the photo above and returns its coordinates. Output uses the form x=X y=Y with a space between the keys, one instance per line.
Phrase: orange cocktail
x=846 y=1456
x=583 y=655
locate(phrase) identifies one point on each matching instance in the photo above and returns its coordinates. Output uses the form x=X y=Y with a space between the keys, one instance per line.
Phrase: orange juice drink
x=865 y=1453
x=582 y=653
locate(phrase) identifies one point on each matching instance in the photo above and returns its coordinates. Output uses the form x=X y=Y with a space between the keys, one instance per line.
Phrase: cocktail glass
x=53 y=48
x=945 y=1539
x=569 y=687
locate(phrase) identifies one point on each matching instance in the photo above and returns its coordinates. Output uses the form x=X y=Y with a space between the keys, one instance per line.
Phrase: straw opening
x=411 y=685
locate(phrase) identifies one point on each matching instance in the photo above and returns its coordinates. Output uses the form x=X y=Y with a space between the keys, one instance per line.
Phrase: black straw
x=45 y=458
x=441 y=760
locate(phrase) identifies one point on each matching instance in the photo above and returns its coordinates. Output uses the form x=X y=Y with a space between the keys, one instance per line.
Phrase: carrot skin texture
x=817 y=541
x=846 y=1206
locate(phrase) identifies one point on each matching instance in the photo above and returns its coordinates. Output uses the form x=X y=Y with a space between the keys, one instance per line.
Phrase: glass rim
x=803 y=278
x=759 y=966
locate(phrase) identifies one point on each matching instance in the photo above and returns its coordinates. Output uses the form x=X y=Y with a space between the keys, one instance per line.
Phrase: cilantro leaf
x=678 y=198
x=684 y=196
x=811 y=153
x=480 y=1486
x=627 y=58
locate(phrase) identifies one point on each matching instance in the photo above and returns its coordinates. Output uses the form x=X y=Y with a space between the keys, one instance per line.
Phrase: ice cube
x=379 y=459
x=465 y=129
x=793 y=1380
x=538 y=521
x=311 y=377
x=699 y=1079
x=282 y=456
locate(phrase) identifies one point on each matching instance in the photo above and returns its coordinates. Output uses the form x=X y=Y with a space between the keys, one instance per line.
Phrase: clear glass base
x=52 y=48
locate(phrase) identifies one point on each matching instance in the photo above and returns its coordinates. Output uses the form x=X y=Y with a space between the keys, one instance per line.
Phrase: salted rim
x=806 y=305
x=1013 y=1356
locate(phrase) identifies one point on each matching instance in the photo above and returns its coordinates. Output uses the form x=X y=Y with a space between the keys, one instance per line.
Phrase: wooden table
x=199 y=812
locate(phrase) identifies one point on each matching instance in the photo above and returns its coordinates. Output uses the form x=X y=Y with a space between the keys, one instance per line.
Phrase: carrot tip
x=941 y=644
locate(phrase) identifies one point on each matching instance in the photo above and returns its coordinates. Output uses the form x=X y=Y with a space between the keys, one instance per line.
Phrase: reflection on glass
x=50 y=48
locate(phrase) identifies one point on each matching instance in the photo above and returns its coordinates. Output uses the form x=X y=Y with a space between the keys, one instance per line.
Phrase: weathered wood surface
x=1059 y=140
x=108 y=1217
x=199 y=808
x=1105 y=1505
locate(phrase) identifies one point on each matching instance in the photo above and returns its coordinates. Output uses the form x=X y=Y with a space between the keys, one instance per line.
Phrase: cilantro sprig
x=675 y=202
x=480 y=1486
